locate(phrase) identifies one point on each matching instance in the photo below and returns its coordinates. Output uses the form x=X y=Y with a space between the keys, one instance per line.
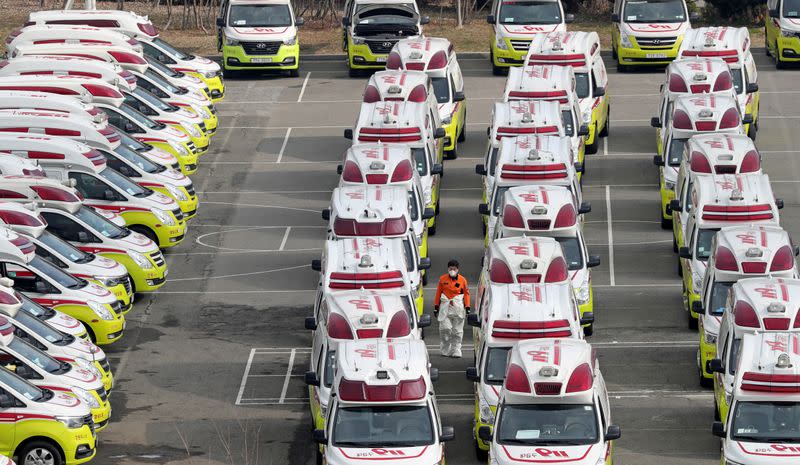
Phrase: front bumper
x=106 y=331
x=215 y=85
x=235 y=58
x=667 y=195
x=359 y=56
x=144 y=280
x=187 y=160
x=79 y=445
x=101 y=415
x=789 y=48
x=707 y=352
x=509 y=57
x=587 y=308
x=655 y=56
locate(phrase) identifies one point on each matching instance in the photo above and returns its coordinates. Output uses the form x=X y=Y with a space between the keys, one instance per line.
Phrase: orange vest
x=452 y=287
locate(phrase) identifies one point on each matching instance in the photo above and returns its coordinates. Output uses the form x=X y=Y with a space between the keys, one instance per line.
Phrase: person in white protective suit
x=451 y=307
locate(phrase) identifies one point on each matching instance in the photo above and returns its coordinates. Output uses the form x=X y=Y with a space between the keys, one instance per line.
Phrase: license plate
x=381 y=60
x=656 y=55
x=261 y=60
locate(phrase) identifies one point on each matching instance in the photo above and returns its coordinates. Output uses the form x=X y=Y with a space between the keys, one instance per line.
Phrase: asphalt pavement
x=210 y=370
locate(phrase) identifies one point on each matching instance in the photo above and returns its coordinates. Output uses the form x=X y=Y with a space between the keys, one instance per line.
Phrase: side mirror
x=779 y=203
x=579 y=167
x=434 y=374
x=583 y=131
x=424 y=263
x=658 y=160
x=697 y=307
x=599 y=91
x=319 y=437
x=448 y=434
x=655 y=122
x=437 y=169
x=715 y=366
x=796 y=251
x=718 y=429
x=684 y=252
x=348 y=134
x=614 y=18
x=485 y=433
x=569 y=18
x=747 y=119
x=346 y=22
x=299 y=21
x=339 y=169
x=6 y=401
x=587 y=319
x=613 y=432
x=316 y=265
x=458 y=96
x=424 y=20
x=428 y=213
x=480 y=169
x=484 y=209
x=491 y=19
x=694 y=16
x=108 y=194
x=472 y=375
x=311 y=378
x=675 y=205
x=752 y=87
x=311 y=323
x=438 y=133
x=585 y=207
x=220 y=22
x=326 y=214
x=594 y=261
x=473 y=320
x=83 y=237
x=774 y=13
x=424 y=321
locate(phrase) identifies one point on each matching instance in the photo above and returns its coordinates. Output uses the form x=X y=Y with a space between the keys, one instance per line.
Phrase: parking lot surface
x=211 y=367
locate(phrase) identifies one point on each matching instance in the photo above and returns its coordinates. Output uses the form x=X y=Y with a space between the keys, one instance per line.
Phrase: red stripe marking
x=379 y=303
x=538 y=292
x=544 y=197
x=763 y=238
x=730 y=142
x=391 y=351
x=784 y=290
x=557 y=352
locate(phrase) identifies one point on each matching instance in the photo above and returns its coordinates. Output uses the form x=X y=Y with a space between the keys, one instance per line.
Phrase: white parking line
x=610 y=237
x=605 y=146
x=283 y=146
x=244 y=376
x=288 y=376
x=303 y=89
x=285 y=238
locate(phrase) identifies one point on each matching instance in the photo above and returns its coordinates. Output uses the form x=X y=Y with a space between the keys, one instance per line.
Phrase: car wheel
x=674 y=244
x=591 y=149
x=752 y=131
x=425 y=278
x=780 y=64
x=294 y=72
x=432 y=230
x=604 y=132
x=353 y=72
x=716 y=410
x=705 y=382
x=614 y=53
x=680 y=270
x=692 y=321
x=40 y=453
x=462 y=136
x=319 y=456
x=482 y=455
x=766 y=43
x=623 y=68
x=666 y=223
x=496 y=70
x=588 y=330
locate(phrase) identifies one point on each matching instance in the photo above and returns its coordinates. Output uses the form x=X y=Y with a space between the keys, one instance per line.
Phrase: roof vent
x=377 y=165
x=548 y=371
x=382 y=374
x=709 y=41
x=539 y=210
x=700 y=77
x=388 y=119
x=753 y=252
x=533 y=155
x=736 y=194
x=706 y=113
x=415 y=55
x=368 y=319
x=527 y=117
x=726 y=157
x=394 y=89
x=784 y=361
x=366 y=262
x=527 y=264
x=776 y=307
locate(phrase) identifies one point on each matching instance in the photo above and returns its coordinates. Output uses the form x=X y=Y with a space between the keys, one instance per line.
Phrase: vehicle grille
x=176 y=166
x=87 y=420
x=178 y=214
x=202 y=126
x=656 y=42
x=104 y=364
x=520 y=45
x=190 y=189
x=157 y=258
x=191 y=146
x=102 y=394
x=116 y=307
x=212 y=109
x=538 y=225
x=261 y=48
x=380 y=46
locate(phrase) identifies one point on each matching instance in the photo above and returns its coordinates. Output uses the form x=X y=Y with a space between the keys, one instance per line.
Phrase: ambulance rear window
x=569 y=123
x=495 y=370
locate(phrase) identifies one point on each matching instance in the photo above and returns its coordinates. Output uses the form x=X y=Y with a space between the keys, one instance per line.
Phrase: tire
x=480 y=454
x=40 y=453
x=425 y=279
x=294 y=72
x=680 y=270
x=780 y=64
x=353 y=72
x=752 y=132
x=766 y=43
x=716 y=410
x=318 y=456
x=691 y=321
x=614 y=54
x=230 y=73
x=432 y=230
x=666 y=223
x=623 y=68
x=592 y=149
x=483 y=225
x=705 y=382
x=604 y=131
x=145 y=232
x=462 y=136
x=588 y=330
x=451 y=155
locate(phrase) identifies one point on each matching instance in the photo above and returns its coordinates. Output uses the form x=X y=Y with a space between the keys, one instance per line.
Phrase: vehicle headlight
x=582 y=293
x=100 y=310
x=178 y=148
x=323 y=409
x=208 y=74
x=731 y=462
x=71 y=422
x=140 y=259
x=358 y=40
x=787 y=33
x=106 y=280
x=176 y=192
x=670 y=185
x=202 y=111
x=587 y=116
x=290 y=41
x=229 y=41
x=710 y=338
x=85 y=397
x=485 y=412
x=419 y=239
x=697 y=283
x=447 y=120
x=163 y=216
x=625 y=40
x=191 y=129
x=88 y=366
x=428 y=197
x=500 y=43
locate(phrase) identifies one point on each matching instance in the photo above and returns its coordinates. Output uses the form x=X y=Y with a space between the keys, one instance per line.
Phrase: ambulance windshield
x=654 y=11
x=383 y=426
x=494 y=372
x=704 y=238
x=582 y=85
x=260 y=16
x=547 y=424
x=530 y=12
x=777 y=422
x=572 y=252
x=791 y=8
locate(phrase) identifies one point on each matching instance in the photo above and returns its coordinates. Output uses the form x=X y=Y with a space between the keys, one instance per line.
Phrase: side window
x=122 y=167
x=44 y=253
x=15 y=365
x=569 y=122
x=122 y=122
x=27 y=281
x=330 y=368
x=135 y=103
x=724 y=357
x=66 y=228
x=408 y=255
x=733 y=362
x=93 y=188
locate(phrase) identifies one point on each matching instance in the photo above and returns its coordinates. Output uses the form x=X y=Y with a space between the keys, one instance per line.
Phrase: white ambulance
x=505 y=315
x=437 y=57
x=551 y=211
x=581 y=52
x=69 y=66
x=387 y=165
x=553 y=407
x=385 y=211
x=58 y=320
x=761 y=428
x=21 y=99
x=345 y=315
x=126 y=57
x=66 y=34
x=737 y=252
x=689 y=115
x=754 y=305
x=732 y=45
x=718 y=201
x=85 y=89
x=384 y=407
x=648 y=32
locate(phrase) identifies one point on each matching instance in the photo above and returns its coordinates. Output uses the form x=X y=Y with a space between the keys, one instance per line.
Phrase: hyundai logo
x=387 y=44
x=261 y=45
x=656 y=41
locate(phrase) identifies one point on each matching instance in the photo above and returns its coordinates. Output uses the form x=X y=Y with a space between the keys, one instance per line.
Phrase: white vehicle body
x=11 y=165
x=544 y=379
x=402 y=86
x=371 y=211
x=523 y=260
x=650 y=28
x=516 y=29
x=85 y=89
x=126 y=57
x=175 y=95
x=183 y=119
x=68 y=34
x=54 y=318
x=366 y=369
x=30 y=100
x=59 y=65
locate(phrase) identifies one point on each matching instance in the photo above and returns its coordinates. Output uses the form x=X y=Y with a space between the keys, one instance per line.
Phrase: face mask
x=453 y=273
